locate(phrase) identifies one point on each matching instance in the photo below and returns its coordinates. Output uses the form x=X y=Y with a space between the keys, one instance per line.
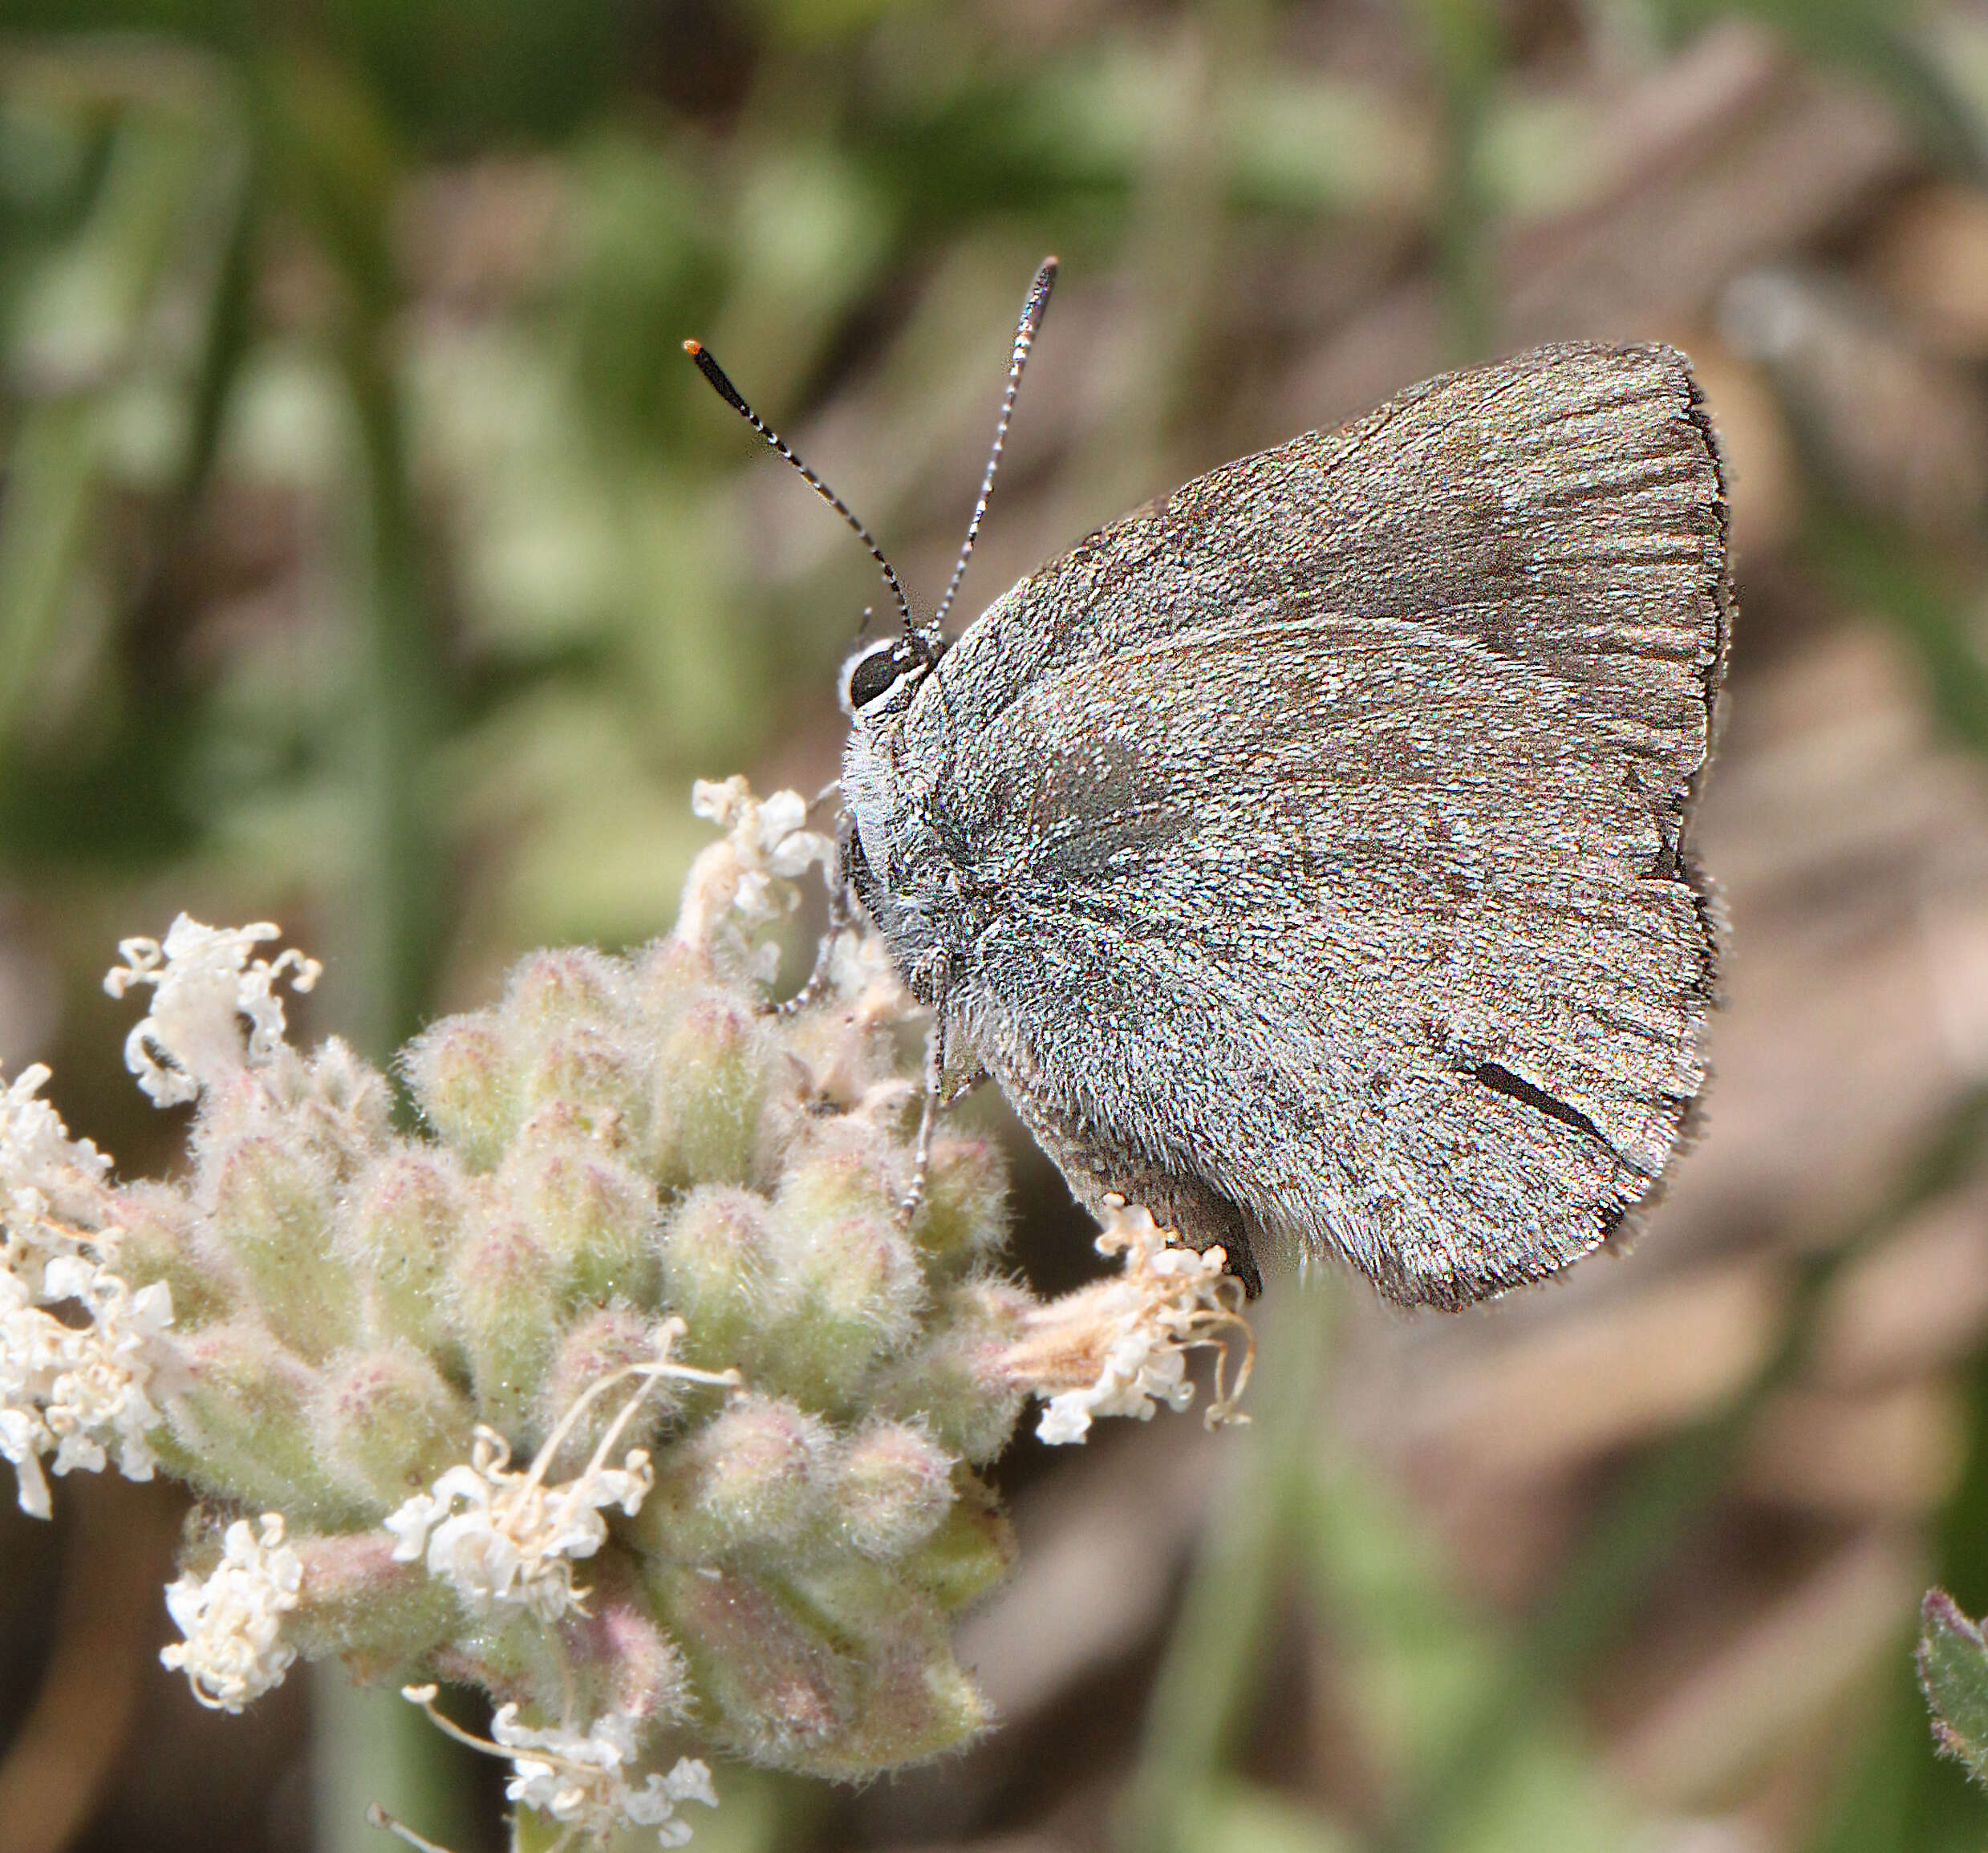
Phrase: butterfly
x=1306 y=854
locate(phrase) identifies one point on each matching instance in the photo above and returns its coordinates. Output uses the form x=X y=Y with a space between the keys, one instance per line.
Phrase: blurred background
x=371 y=561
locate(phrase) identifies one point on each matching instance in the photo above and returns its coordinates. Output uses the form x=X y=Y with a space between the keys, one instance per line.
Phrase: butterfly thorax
x=927 y=900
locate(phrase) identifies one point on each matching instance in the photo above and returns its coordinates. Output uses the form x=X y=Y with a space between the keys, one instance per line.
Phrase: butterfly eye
x=877 y=673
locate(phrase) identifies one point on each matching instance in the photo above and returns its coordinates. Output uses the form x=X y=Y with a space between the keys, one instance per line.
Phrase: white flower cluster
x=751 y=874
x=203 y=978
x=40 y=1164
x=75 y=1383
x=1169 y=1299
x=75 y=1388
x=499 y=1536
x=582 y=1778
x=234 y=1651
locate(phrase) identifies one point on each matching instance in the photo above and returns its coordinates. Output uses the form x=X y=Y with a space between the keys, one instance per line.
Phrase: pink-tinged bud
x=715 y=1273
x=846 y=1270
x=505 y=1307
x=770 y=1687
x=460 y=1072
x=891 y=1487
x=243 y=1419
x=846 y=1055
x=388 y=1424
x=354 y=1600
x=661 y=979
x=270 y=1208
x=159 y=1239
x=547 y=993
x=964 y=1219
x=907 y=1698
x=596 y=1078
x=751 y=1476
x=617 y=1656
x=919 y=1703
x=955 y=1381
x=714 y=1078
x=403 y=1230
x=593 y=1215
x=355 y=1091
x=970 y=1552
x=601 y=1342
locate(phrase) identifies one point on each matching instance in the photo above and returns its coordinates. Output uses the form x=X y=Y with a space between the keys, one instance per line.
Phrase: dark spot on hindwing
x=1501 y=1080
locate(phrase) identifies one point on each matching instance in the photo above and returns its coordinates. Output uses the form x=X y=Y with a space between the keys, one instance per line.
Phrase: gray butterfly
x=1305 y=852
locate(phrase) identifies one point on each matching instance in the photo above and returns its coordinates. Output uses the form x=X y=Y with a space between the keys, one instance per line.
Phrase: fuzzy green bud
x=892 y=1486
x=716 y=1273
x=463 y=1079
x=617 y=1656
x=750 y=1478
x=773 y=1687
x=972 y=1549
x=272 y=1207
x=847 y=1271
x=644 y=1674
x=661 y=979
x=387 y=1422
x=905 y=1697
x=159 y=1239
x=357 y=1601
x=599 y=1344
x=714 y=1077
x=955 y=1380
x=593 y=1215
x=406 y=1220
x=592 y=1076
x=243 y=1420
x=964 y=1218
x=355 y=1091
x=547 y=993
x=504 y=1301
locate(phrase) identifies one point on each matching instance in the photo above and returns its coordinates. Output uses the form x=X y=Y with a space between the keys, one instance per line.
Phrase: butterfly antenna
x=1032 y=314
x=730 y=394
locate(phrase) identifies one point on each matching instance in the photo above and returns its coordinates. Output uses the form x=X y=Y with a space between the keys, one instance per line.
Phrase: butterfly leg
x=927 y=1116
x=842 y=916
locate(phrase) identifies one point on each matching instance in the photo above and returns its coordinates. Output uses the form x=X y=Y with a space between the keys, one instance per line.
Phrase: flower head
x=621 y=1163
x=234 y=1651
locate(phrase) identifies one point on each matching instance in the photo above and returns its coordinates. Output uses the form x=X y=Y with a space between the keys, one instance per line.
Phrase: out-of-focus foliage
x=371 y=558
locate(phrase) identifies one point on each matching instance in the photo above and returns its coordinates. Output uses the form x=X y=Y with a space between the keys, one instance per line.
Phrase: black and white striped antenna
x=1033 y=309
x=731 y=394
x=1032 y=314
